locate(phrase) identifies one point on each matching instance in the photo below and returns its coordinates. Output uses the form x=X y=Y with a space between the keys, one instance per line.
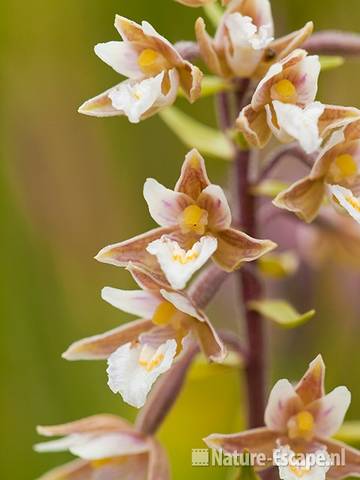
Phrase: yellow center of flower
x=346 y=165
x=285 y=91
x=194 y=219
x=150 y=358
x=301 y=426
x=299 y=471
x=354 y=202
x=185 y=257
x=164 y=313
x=151 y=62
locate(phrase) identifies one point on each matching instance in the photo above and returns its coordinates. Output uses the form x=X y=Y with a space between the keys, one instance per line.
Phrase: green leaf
x=269 y=188
x=214 y=13
x=278 y=265
x=196 y=135
x=328 y=62
x=281 y=312
x=350 y=433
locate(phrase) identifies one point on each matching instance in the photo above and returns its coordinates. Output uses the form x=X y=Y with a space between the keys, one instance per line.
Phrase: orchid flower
x=154 y=68
x=243 y=45
x=140 y=351
x=302 y=417
x=283 y=104
x=108 y=448
x=195 y=222
x=337 y=163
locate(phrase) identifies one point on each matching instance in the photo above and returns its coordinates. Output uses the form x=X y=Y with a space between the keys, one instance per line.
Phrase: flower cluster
x=275 y=82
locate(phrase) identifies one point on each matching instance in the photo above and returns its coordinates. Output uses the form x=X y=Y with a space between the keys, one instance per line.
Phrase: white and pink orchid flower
x=140 y=351
x=108 y=448
x=337 y=164
x=244 y=45
x=302 y=417
x=195 y=224
x=283 y=104
x=154 y=68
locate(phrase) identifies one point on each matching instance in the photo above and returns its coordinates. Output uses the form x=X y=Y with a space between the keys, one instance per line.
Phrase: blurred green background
x=70 y=185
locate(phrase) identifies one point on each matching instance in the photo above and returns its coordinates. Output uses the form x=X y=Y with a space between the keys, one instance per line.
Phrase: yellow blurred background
x=70 y=185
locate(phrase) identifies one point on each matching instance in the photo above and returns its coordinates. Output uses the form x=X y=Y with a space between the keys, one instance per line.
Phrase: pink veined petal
x=91 y=424
x=283 y=403
x=211 y=345
x=101 y=105
x=351 y=466
x=311 y=386
x=253 y=124
x=213 y=200
x=76 y=470
x=132 y=467
x=235 y=247
x=159 y=468
x=134 y=250
x=257 y=440
x=137 y=302
x=146 y=279
x=165 y=205
x=329 y=411
x=122 y=57
x=100 y=347
x=193 y=177
x=306 y=80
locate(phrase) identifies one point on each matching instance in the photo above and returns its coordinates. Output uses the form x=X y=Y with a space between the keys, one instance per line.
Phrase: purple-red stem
x=251 y=289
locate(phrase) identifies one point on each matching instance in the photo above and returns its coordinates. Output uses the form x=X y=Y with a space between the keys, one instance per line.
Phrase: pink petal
x=283 y=403
x=304 y=198
x=351 y=468
x=158 y=468
x=209 y=340
x=165 y=205
x=76 y=470
x=101 y=105
x=96 y=423
x=213 y=200
x=254 y=126
x=285 y=45
x=193 y=177
x=329 y=411
x=305 y=77
x=146 y=279
x=235 y=247
x=257 y=440
x=134 y=250
x=100 y=347
x=311 y=386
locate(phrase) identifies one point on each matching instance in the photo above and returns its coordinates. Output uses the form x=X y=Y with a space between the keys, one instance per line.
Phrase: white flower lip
x=242 y=31
x=347 y=200
x=297 y=123
x=311 y=466
x=133 y=369
x=179 y=265
x=136 y=98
